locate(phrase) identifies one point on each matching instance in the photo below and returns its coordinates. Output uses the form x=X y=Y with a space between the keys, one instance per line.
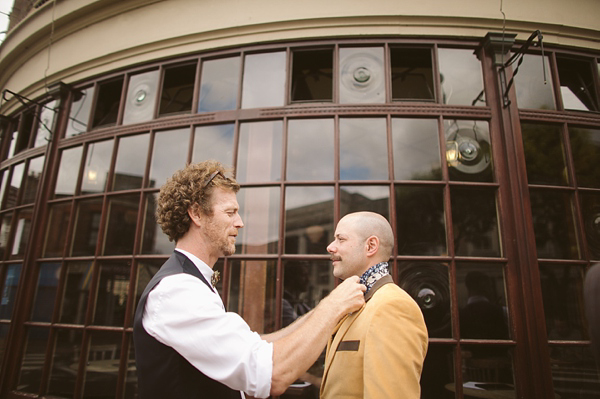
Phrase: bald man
x=378 y=351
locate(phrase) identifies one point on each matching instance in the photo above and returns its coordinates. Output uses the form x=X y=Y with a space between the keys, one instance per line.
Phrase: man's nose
x=330 y=248
x=238 y=222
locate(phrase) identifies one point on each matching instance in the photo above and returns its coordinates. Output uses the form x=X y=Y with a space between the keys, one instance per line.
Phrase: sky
x=5 y=8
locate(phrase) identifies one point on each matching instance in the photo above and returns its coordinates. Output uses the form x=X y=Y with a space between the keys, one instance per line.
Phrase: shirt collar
x=206 y=271
x=374 y=273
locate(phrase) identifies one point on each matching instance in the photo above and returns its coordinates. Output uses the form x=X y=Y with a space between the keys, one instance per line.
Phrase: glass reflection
x=170 y=153
x=32 y=179
x=33 y=360
x=97 y=165
x=482 y=304
x=15 y=185
x=46 y=124
x=21 y=234
x=45 y=293
x=362 y=77
x=460 y=74
x=590 y=209
x=131 y=162
x=252 y=293
x=119 y=236
x=437 y=378
x=102 y=366
x=56 y=232
x=79 y=115
x=359 y=137
x=416 y=146
x=308 y=219
x=585 y=147
x=475 y=220
x=68 y=172
x=259 y=209
x=3 y=339
x=9 y=291
x=142 y=92
x=75 y=293
x=421 y=222
x=4 y=184
x=487 y=367
x=576 y=376
x=154 y=241
x=146 y=269
x=214 y=142
x=532 y=91
x=111 y=293
x=412 y=74
x=264 y=80
x=87 y=226
x=259 y=154
x=468 y=151
x=5 y=222
x=310 y=140
x=219 y=84
x=544 y=154
x=577 y=84
x=65 y=363
x=428 y=284
x=131 y=377
x=553 y=224
x=365 y=198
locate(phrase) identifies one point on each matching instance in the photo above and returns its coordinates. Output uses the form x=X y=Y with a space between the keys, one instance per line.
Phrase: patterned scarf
x=370 y=277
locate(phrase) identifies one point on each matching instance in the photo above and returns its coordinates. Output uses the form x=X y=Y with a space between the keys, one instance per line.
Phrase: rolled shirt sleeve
x=184 y=313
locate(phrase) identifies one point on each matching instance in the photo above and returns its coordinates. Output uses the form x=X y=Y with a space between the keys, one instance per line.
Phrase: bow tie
x=215 y=278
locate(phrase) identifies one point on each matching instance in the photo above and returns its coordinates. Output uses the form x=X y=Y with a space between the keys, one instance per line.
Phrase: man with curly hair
x=186 y=344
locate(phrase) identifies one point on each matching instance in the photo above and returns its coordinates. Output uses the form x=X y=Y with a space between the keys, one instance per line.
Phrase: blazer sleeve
x=395 y=349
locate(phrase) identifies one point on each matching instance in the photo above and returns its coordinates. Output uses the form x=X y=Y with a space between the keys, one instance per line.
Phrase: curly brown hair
x=190 y=187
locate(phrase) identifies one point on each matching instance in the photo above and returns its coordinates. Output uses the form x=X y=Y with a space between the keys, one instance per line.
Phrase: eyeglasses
x=211 y=177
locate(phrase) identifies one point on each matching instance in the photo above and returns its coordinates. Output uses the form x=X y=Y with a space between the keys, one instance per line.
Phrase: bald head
x=368 y=224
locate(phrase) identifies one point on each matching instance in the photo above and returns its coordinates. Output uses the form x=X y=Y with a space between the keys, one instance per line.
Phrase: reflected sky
x=219 y=84
x=310 y=139
x=363 y=149
x=264 y=80
x=461 y=76
x=529 y=84
x=416 y=149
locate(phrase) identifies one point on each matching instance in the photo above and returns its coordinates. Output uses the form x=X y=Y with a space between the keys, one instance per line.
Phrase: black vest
x=162 y=372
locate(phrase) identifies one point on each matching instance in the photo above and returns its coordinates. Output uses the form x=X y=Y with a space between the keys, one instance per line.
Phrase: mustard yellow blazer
x=377 y=352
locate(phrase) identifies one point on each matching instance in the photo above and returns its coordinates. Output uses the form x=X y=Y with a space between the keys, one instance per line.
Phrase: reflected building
x=475 y=134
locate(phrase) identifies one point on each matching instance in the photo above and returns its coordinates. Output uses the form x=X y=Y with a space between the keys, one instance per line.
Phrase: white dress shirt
x=184 y=313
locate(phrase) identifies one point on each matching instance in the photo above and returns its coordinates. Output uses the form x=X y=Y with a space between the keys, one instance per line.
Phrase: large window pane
x=421 y=223
x=131 y=162
x=259 y=209
x=75 y=292
x=412 y=74
x=468 y=151
x=22 y=233
x=68 y=172
x=177 y=92
x=65 y=363
x=45 y=130
x=219 y=84
x=460 y=74
x=428 y=284
x=259 y=154
x=102 y=366
x=154 y=241
x=141 y=97
x=577 y=84
x=553 y=224
x=585 y=147
x=475 y=221
x=481 y=292
x=264 y=80
x=590 y=209
x=56 y=230
x=308 y=219
x=365 y=198
x=87 y=226
x=532 y=91
x=363 y=149
x=119 y=235
x=33 y=360
x=170 y=153
x=544 y=154
x=45 y=294
x=107 y=103
x=362 y=76
x=32 y=179
x=111 y=299
x=312 y=75
x=79 y=115
x=214 y=142
x=15 y=185
x=146 y=269
x=252 y=293
x=416 y=146
x=4 y=184
x=5 y=222
x=438 y=373
x=486 y=367
x=3 y=340
x=310 y=149
x=9 y=290
x=97 y=165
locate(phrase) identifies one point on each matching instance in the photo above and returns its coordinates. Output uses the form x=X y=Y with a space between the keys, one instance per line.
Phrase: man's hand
x=347 y=297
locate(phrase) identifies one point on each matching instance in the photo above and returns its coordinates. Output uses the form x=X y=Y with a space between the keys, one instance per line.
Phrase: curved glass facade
x=494 y=198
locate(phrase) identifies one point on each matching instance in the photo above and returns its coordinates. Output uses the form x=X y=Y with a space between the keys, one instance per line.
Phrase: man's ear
x=194 y=214
x=372 y=245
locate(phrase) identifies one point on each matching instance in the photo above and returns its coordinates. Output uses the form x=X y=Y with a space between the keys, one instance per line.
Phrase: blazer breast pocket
x=348 y=346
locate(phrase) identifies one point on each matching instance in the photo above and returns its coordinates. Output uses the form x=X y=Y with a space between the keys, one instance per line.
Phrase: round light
x=140 y=96
x=362 y=74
